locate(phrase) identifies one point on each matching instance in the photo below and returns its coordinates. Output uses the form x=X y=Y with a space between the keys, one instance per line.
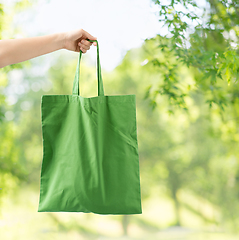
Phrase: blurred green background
x=186 y=83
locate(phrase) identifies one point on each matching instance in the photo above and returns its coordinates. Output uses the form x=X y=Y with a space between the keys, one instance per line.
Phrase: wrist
x=61 y=40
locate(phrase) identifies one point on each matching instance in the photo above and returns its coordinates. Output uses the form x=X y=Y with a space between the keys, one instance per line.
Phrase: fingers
x=85 y=45
x=82 y=43
x=76 y=40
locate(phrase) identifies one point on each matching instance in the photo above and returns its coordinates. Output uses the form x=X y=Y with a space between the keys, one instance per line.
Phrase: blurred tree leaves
x=12 y=171
x=204 y=38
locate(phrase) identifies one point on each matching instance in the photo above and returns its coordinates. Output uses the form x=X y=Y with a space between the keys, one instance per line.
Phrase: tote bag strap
x=76 y=89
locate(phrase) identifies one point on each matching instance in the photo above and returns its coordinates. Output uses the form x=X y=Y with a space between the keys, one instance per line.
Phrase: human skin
x=18 y=50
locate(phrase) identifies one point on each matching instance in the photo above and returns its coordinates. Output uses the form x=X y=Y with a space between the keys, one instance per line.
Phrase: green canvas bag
x=90 y=152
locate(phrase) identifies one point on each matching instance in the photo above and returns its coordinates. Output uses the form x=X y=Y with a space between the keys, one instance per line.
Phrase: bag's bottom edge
x=118 y=213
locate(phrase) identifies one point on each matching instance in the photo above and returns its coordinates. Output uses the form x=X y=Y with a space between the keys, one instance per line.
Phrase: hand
x=76 y=41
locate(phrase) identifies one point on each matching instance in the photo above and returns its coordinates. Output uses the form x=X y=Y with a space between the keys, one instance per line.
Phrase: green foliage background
x=187 y=114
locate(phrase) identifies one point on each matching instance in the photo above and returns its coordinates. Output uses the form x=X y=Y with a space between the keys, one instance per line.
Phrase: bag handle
x=76 y=89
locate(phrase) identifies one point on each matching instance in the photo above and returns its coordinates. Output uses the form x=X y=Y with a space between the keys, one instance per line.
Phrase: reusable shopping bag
x=90 y=152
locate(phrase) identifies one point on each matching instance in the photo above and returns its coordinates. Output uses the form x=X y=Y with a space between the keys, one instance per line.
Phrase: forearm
x=19 y=50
